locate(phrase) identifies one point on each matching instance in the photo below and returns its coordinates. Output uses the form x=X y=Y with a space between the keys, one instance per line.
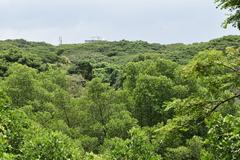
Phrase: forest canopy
x=121 y=100
x=160 y=102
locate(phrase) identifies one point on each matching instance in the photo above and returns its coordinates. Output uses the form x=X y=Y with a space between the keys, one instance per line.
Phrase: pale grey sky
x=161 y=21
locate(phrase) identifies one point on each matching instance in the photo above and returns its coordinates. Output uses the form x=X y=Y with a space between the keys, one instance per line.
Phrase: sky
x=159 y=21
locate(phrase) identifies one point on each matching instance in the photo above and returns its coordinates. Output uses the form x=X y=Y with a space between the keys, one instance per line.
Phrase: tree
x=13 y=128
x=216 y=74
x=20 y=84
x=223 y=140
x=102 y=109
x=150 y=94
x=50 y=145
x=137 y=147
x=84 y=68
x=119 y=124
x=234 y=7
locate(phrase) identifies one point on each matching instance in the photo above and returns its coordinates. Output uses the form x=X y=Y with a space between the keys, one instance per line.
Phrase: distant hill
x=124 y=51
x=103 y=56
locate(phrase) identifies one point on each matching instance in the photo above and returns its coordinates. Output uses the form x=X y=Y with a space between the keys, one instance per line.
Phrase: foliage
x=137 y=147
x=51 y=145
x=83 y=68
x=223 y=141
x=232 y=6
x=120 y=100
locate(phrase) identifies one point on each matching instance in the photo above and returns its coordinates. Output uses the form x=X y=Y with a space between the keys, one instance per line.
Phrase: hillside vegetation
x=120 y=100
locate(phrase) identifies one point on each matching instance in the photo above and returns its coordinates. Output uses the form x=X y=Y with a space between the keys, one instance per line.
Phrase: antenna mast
x=60 y=40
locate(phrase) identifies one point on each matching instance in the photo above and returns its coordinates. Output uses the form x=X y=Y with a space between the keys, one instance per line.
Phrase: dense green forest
x=121 y=100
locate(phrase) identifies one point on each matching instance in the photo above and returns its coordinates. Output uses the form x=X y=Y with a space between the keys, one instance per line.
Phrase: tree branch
x=229 y=67
x=222 y=102
x=201 y=119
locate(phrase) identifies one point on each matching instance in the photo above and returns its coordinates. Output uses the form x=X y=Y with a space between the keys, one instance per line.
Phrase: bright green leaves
x=223 y=141
x=20 y=85
x=4 y=100
x=206 y=63
x=233 y=7
x=149 y=67
x=173 y=104
x=14 y=125
x=131 y=73
x=119 y=124
x=137 y=147
x=192 y=150
x=152 y=83
x=108 y=111
x=149 y=95
x=217 y=79
x=51 y=145
x=22 y=138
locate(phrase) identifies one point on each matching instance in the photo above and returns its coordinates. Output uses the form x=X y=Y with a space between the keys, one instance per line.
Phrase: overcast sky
x=161 y=21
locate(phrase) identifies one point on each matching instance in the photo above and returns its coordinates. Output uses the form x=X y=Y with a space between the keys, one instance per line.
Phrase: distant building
x=94 y=39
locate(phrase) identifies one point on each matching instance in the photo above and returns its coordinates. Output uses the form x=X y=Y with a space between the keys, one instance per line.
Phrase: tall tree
x=234 y=7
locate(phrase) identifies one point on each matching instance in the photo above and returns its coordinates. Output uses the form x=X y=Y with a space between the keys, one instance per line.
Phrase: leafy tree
x=223 y=141
x=150 y=94
x=14 y=125
x=84 y=68
x=103 y=104
x=119 y=124
x=137 y=147
x=234 y=7
x=20 y=85
x=51 y=145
